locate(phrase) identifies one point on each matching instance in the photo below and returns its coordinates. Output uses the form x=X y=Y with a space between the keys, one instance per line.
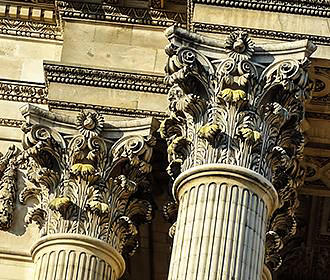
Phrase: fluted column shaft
x=221 y=225
x=75 y=257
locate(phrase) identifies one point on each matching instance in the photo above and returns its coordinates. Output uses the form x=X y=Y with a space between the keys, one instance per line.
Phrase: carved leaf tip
x=209 y=131
x=60 y=204
x=231 y=95
x=83 y=169
x=250 y=134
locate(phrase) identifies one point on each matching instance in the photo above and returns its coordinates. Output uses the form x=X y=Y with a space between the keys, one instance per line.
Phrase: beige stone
x=111 y=46
x=24 y=12
x=23 y=60
x=148 y=37
x=262 y=20
x=36 y=14
x=75 y=257
x=2 y=9
x=109 y=97
x=48 y=16
x=33 y=70
x=13 y=11
x=222 y=218
x=11 y=110
x=116 y=34
x=161 y=59
x=11 y=68
x=130 y=57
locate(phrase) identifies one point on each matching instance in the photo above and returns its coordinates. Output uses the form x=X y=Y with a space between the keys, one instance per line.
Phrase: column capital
x=228 y=107
x=85 y=180
x=238 y=103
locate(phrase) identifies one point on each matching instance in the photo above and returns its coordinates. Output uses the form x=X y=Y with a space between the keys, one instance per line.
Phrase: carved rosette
x=87 y=185
x=238 y=112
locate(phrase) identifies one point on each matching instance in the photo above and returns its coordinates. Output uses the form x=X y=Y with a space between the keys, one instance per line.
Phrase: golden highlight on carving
x=59 y=203
x=232 y=95
x=250 y=134
x=83 y=168
x=208 y=131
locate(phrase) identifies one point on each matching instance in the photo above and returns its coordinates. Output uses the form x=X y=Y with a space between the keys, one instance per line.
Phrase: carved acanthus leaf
x=87 y=185
x=246 y=114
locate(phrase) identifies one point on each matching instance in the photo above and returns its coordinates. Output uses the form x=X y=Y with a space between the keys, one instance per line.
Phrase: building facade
x=165 y=139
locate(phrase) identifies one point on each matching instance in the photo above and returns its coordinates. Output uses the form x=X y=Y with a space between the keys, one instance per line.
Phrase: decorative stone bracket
x=239 y=104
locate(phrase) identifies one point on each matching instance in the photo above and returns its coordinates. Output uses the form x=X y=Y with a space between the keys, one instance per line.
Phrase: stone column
x=75 y=257
x=91 y=196
x=234 y=144
x=223 y=213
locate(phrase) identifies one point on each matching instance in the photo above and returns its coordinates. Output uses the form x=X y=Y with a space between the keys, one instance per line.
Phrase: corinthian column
x=91 y=193
x=234 y=142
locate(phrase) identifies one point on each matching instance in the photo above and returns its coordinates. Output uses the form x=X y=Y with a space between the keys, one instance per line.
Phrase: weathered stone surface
x=124 y=47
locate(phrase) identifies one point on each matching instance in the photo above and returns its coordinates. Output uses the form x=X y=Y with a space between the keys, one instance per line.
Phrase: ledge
x=264 y=53
x=106 y=78
x=304 y=7
x=67 y=124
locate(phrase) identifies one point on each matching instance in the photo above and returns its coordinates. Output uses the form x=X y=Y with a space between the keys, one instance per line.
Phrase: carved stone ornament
x=85 y=183
x=8 y=171
x=239 y=104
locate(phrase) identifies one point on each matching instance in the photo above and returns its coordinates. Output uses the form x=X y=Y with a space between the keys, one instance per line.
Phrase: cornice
x=67 y=124
x=114 y=13
x=80 y=75
x=106 y=110
x=308 y=7
x=263 y=53
x=23 y=91
x=260 y=33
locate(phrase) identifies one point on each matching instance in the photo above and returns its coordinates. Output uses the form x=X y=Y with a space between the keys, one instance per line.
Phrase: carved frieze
x=11 y=122
x=227 y=108
x=34 y=19
x=105 y=78
x=305 y=7
x=43 y=19
x=117 y=13
x=23 y=92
